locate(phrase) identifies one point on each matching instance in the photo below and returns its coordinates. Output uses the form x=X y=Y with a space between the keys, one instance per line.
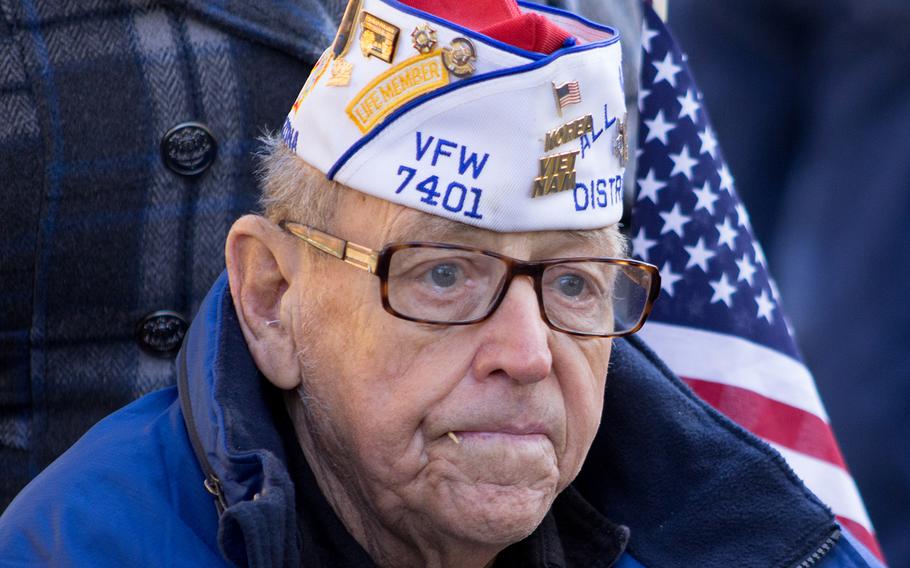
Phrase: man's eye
x=571 y=285
x=444 y=275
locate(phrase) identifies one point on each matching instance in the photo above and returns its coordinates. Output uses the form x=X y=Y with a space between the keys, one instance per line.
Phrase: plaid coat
x=99 y=225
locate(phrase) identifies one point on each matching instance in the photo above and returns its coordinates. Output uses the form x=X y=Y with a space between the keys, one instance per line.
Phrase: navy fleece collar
x=694 y=488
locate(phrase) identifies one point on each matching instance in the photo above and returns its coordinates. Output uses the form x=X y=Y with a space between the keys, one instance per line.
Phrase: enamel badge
x=378 y=38
x=424 y=38
x=459 y=57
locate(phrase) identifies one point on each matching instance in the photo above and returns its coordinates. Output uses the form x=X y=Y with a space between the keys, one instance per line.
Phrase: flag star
x=668 y=279
x=673 y=221
x=759 y=254
x=775 y=293
x=790 y=329
x=647 y=34
x=747 y=270
x=728 y=234
x=742 y=215
x=708 y=142
x=641 y=243
x=706 y=198
x=666 y=70
x=723 y=291
x=765 y=306
x=658 y=128
x=689 y=106
x=649 y=186
x=726 y=178
x=699 y=255
x=683 y=163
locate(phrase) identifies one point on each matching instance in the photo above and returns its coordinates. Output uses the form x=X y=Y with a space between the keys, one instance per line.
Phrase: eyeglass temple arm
x=352 y=253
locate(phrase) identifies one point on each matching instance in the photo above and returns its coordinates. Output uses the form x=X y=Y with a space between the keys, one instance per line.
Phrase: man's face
x=523 y=400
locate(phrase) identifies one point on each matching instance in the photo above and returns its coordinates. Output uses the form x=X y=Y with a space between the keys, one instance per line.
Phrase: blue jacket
x=694 y=488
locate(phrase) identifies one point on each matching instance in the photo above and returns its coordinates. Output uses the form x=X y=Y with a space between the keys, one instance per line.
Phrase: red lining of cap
x=499 y=19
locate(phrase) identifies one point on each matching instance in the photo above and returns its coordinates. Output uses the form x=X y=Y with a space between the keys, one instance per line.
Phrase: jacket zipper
x=211 y=482
x=827 y=546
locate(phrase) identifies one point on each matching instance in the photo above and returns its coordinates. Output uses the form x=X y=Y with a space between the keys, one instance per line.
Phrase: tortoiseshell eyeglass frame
x=378 y=262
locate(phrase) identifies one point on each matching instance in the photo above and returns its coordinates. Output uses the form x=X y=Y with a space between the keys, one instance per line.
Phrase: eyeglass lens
x=450 y=286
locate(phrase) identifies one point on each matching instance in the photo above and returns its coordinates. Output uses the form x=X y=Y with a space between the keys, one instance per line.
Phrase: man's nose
x=515 y=338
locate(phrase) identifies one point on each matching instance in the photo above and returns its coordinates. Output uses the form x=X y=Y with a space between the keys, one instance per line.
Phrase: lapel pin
x=424 y=38
x=556 y=173
x=459 y=57
x=340 y=73
x=621 y=142
x=568 y=93
x=378 y=38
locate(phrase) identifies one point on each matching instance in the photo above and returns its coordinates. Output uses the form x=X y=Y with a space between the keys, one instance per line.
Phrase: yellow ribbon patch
x=396 y=86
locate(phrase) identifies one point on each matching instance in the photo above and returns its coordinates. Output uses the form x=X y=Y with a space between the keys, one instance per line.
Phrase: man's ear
x=261 y=263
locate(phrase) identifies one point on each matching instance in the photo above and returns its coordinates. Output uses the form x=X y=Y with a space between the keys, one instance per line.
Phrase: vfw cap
x=418 y=110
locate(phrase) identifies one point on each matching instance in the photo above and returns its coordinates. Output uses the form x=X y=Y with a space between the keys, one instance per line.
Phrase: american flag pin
x=568 y=93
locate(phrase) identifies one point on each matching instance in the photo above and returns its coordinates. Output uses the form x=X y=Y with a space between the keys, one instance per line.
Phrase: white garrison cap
x=413 y=109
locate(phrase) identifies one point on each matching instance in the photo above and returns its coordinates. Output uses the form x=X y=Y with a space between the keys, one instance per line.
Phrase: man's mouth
x=460 y=436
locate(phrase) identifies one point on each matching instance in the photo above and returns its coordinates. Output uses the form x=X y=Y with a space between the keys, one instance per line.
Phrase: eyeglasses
x=446 y=284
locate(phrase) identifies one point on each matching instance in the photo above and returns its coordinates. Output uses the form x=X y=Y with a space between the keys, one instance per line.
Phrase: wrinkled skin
x=381 y=394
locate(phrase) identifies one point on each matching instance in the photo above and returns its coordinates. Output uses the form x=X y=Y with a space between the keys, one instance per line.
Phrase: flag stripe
x=772 y=420
x=862 y=535
x=831 y=484
x=719 y=322
x=735 y=361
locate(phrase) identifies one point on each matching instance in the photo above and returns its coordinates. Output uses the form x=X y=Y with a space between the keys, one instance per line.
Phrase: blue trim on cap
x=532 y=55
x=559 y=12
x=459 y=85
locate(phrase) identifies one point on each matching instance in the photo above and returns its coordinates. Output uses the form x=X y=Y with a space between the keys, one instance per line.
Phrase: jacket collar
x=301 y=28
x=694 y=488
x=225 y=402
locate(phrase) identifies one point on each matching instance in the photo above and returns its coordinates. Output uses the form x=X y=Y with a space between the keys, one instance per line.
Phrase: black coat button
x=161 y=333
x=189 y=148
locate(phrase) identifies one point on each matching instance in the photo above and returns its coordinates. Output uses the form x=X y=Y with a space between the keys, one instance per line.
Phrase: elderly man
x=407 y=361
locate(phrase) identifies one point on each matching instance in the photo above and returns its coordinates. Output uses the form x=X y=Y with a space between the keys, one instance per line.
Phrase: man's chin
x=491 y=514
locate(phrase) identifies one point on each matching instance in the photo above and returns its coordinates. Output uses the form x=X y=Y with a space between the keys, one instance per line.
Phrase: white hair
x=293 y=190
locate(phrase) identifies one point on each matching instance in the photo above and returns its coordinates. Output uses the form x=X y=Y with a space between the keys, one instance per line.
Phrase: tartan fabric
x=95 y=231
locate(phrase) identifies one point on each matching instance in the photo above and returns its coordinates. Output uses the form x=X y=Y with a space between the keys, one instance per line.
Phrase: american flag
x=567 y=94
x=718 y=322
